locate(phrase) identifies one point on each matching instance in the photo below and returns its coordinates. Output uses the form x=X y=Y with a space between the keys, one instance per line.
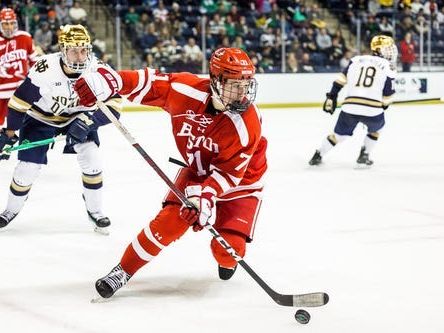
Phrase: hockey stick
x=297 y=300
x=29 y=145
x=419 y=100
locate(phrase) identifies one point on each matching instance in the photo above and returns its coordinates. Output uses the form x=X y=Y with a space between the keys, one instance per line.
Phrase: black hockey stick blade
x=297 y=300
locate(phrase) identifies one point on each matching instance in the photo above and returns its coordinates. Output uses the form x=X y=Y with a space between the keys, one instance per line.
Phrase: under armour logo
x=157 y=235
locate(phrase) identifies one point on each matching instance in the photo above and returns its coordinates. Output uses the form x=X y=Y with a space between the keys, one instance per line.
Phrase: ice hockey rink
x=372 y=239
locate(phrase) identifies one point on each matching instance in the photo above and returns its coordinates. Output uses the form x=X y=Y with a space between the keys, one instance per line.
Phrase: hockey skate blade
x=99 y=299
x=361 y=166
x=101 y=231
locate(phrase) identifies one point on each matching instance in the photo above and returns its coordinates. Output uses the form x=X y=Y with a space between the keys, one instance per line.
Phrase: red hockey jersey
x=225 y=149
x=17 y=55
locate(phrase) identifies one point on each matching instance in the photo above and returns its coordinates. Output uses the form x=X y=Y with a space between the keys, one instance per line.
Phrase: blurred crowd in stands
x=404 y=20
x=42 y=20
x=167 y=34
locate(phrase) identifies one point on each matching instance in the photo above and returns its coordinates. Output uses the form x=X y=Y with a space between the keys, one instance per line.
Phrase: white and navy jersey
x=370 y=82
x=47 y=94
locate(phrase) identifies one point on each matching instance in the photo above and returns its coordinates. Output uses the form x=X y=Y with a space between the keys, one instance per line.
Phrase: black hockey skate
x=113 y=281
x=226 y=273
x=101 y=222
x=316 y=159
x=6 y=217
x=363 y=159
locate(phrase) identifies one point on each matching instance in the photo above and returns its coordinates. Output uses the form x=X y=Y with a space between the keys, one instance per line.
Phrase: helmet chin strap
x=215 y=98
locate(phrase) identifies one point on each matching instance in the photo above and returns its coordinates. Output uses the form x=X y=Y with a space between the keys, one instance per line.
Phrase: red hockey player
x=217 y=130
x=17 y=55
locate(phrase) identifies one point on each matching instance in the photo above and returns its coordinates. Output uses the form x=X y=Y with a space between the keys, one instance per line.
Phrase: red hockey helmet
x=232 y=79
x=8 y=22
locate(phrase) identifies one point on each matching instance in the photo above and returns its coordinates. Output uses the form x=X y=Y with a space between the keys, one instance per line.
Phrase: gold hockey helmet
x=75 y=46
x=384 y=46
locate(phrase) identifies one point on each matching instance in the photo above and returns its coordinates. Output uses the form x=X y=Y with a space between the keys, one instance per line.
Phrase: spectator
x=77 y=14
x=336 y=52
x=268 y=38
x=193 y=55
x=305 y=64
x=174 y=54
x=53 y=22
x=230 y=27
x=430 y=8
x=216 y=26
x=149 y=38
x=292 y=63
x=208 y=7
x=141 y=26
x=371 y=27
x=308 y=41
x=131 y=19
x=407 y=51
x=385 y=27
x=239 y=43
x=323 y=41
x=35 y=23
x=62 y=12
x=43 y=37
x=29 y=10
x=241 y=26
x=160 y=13
x=416 y=6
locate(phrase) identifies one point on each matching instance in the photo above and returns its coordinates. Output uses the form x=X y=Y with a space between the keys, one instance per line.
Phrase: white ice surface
x=373 y=239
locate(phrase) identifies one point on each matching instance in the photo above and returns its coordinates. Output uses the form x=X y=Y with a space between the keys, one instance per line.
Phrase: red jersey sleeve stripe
x=149 y=76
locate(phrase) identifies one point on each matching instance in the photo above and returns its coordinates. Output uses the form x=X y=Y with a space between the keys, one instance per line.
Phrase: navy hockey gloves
x=330 y=103
x=6 y=142
x=80 y=128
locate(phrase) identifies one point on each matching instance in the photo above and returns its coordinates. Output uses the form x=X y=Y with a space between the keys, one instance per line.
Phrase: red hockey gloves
x=330 y=103
x=97 y=86
x=205 y=206
x=7 y=140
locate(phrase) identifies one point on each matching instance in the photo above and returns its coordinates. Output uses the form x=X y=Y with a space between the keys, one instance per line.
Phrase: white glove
x=205 y=203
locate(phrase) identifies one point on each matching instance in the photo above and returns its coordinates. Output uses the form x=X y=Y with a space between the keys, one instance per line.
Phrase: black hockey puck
x=302 y=316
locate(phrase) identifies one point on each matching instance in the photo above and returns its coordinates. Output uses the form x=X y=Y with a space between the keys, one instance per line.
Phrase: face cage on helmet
x=390 y=53
x=9 y=34
x=228 y=99
x=77 y=67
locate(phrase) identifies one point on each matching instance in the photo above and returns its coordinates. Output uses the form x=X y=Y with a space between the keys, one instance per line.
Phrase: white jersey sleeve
x=369 y=83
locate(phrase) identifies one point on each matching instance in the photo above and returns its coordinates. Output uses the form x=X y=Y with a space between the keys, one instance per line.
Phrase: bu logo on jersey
x=195 y=141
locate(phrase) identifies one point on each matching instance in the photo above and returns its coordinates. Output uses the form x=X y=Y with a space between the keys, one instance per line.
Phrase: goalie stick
x=296 y=300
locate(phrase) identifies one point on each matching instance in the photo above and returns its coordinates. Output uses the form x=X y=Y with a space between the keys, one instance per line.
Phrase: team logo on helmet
x=75 y=37
x=384 y=46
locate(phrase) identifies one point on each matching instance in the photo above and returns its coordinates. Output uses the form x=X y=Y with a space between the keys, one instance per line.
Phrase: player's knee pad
x=373 y=136
x=335 y=138
x=25 y=174
x=168 y=226
x=237 y=242
x=88 y=157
